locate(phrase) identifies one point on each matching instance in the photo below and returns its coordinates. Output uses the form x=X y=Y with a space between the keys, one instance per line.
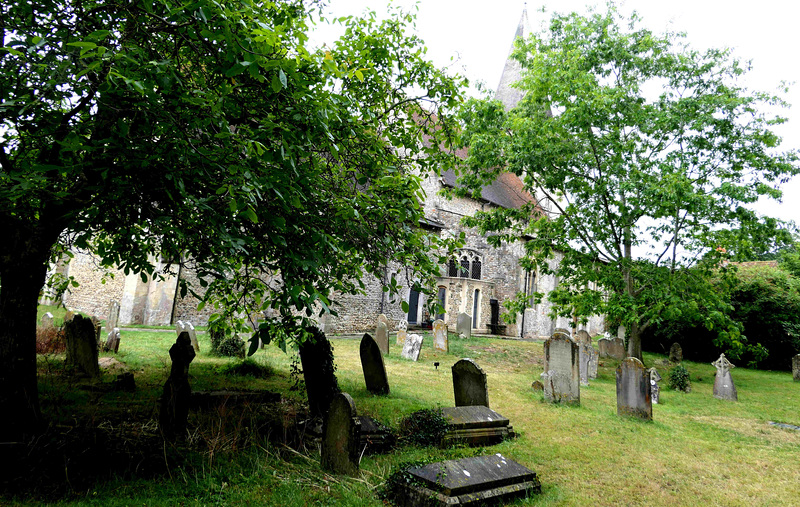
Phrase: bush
x=247 y=368
x=232 y=346
x=50 y=340
x=679 y=379
x=424 y=427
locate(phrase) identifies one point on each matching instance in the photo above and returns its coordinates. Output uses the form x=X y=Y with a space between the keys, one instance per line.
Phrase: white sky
x=474 y=37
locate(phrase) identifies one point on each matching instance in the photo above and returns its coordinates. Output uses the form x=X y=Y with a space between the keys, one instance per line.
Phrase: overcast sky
x=474 y=37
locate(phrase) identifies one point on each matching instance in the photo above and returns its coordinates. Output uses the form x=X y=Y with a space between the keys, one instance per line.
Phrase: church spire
x=512 y=70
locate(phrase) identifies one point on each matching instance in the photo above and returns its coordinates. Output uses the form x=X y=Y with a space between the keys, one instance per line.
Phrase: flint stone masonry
x=341 y=436
x=796 y=368
x=412 y=347
x=561 y=377
x=177 y=394
x=675 y=353
x=372 y=364
x=382 y=337
x=469 y=384
x=480 y=480
x=81 y=341
x=633 y=390
x=475 y=425
x=464 y=325
x=440 y=340
x=724 y=389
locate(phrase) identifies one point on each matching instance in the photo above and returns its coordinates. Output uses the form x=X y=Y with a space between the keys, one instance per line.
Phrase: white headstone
x=412 y=347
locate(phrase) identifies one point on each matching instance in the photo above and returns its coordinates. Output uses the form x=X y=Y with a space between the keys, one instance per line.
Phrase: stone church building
x=476 y=282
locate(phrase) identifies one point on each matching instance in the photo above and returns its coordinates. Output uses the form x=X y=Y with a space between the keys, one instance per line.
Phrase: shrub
x=232 y=346
x=679 y=379
x=424 y=427
x=50 y=340
x=249 y=368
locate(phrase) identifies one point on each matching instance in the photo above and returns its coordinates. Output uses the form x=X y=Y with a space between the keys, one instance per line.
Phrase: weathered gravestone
x=562 y=330
x=412 y=347
x=796 y=367
x=593 y=360
x=616 y=349
x=372 y=364
x=475 y=425
x=655 y=390
x=402 y=332
x=469 y=384
x=81 y=341
x=181 y=326
x=47 y=320
x=561 y=377
x=69 y=315
x=316 y=358
x=174 y=412
x=585 y=356
x=675 y=353
x=340 y=437
x=382 y=337
x=112 y=341
x=583 y=336
x=633 y=390
x=382 y=318
x=480 y=480
x=724 y=389
x=621 y=332
x=440 y=341
x=113 y=316
x=603 y=346
x=464 y=325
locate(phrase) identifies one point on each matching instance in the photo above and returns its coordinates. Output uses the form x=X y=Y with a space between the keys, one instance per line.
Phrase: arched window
x=464 y=267
x=468 y=264
x=452 y=268
x=476 y=269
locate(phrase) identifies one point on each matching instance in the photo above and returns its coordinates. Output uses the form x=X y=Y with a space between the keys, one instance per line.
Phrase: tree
x=645 y=155
x=208 y=133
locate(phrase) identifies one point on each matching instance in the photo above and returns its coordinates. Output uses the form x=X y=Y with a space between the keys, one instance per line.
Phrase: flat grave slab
x=469 y=481
x=475 y=425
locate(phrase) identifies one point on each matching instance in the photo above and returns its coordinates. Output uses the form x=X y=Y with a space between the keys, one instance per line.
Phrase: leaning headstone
x=724 y=389
x=382 y=337
x=616 y=349
x=402 y=332
x=603 y=346
x=475 y=425
x=480 y=480
x=372 y=364
x=174 y=412
x=675 y=353
x=583 y=336
x=316 y=358
x=81 y=341
x=655 y=390
x=633 y=390
x=796 y=367
x=440 y=341
x=113 y=316
x=181 y=326
x=340 y=437
x=469 y=384
x=112 y=341
x=561 y=377
x=412 y=347
x=464 y=325
x=47 y=320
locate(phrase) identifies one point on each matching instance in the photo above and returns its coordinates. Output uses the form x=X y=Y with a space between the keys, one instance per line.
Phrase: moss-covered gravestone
x=174 y=413
x=633 y=390
x=340 y=437
x=316 y=357
x=372 y=364
x=561 y=377
x=81 y=341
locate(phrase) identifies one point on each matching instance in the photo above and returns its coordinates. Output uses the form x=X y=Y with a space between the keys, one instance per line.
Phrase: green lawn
x=697 y=451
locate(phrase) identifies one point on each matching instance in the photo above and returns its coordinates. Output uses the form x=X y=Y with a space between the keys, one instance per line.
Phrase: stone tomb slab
x=469 y=481
x=475 y=425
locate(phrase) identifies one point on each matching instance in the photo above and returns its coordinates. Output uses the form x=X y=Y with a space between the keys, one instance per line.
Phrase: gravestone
x=675 y=353
x=69 y=315
x=372 y=364
x=47 y=320
x=563 y=331
x=603 y=346
x=561 y=377
x=464 y=325
x=113 y=316
x=412 y=347
x=655 y=390
x=181 y=326
x=593 y=360
x=382 y=318
x=440 y=340
x=480 y=480
x=724 y=389
x=475 y=425
x=382 y=337
x=402 y=332
x=621 y=332
x=583 y=337
x=316 y=358
x=81 y=341
x=633 y=390
x=340 y=437
x=469 y=384
x=585 y=356
x=112 y=341
x=796 y=367
x=616 y=349
x=174 y=412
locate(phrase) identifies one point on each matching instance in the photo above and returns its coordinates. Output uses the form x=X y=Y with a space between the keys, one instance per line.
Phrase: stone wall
x=94 y=292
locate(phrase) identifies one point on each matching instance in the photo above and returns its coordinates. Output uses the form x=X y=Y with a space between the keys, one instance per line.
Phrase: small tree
x=644 y=155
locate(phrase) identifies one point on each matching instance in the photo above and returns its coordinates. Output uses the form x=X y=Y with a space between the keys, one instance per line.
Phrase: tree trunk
x=635 y=342
x=23 y=268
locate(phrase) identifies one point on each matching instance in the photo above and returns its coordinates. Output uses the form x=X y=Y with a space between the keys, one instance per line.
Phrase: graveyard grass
x=697 y=451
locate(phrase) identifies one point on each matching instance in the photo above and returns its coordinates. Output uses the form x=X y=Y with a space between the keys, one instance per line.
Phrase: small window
x=464 y=267
x=452 y=268
x=476 y=269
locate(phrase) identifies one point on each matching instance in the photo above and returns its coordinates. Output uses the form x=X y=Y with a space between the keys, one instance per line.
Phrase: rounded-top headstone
x=341 y=435
x=675 y=353
x=469 y=384
x=372 y=364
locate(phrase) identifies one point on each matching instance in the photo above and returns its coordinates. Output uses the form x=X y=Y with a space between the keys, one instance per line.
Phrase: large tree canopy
x=207 y=131
x=645 y=155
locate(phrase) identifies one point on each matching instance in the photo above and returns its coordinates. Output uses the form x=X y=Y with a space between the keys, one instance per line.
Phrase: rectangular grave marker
x=412 y=347
x=440 y=340
x=464 y=325
x=561 y=378
x=633 y=390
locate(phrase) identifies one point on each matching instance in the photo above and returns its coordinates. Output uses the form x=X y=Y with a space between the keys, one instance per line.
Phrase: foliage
x=248 y=367
x=424 y=427
x=679 y=379
x=644 y=155
x=50 y=340
x=207 y=134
